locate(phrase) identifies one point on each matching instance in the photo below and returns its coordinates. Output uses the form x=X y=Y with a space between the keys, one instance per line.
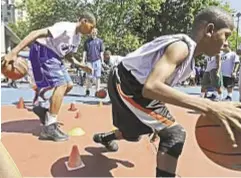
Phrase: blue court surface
x=9 y=96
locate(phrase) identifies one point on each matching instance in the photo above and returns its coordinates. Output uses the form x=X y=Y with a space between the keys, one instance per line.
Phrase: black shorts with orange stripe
x=133 y=114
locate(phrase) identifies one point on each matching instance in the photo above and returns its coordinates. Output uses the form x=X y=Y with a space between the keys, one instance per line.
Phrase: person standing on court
x=230 y=65
x=211 y=77
x=93 y=56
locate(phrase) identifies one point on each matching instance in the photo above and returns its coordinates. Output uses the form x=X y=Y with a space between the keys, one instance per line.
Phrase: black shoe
x=228 y=98
x=87 y=93
x=110 y=146
x=52 y=132
x=40 y=112
x=13 y=85
x=213 y=97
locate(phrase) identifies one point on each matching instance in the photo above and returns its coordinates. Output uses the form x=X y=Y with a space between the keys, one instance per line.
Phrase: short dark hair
x=108 y=52
x=89 y=16
x=213 y=14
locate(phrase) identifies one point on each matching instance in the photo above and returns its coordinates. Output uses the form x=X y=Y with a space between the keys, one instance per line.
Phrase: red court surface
x=36 y=158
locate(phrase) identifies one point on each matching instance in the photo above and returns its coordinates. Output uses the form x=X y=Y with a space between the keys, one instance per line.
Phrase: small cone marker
x=74 y=161
x=77 y=115
x=76 y=132
x=20 y=104
x=100 y=104
x=72 y=107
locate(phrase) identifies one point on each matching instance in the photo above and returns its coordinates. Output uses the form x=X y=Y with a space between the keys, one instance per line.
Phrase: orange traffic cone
x=74 y=161
x=72 y=107
x=20 y=104
x=77 y=115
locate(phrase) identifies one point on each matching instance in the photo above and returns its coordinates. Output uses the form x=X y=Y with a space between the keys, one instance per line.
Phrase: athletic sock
x=109 y=136
x=202 y=95
x=230 y=95
x=161 y=173
x=50 y=118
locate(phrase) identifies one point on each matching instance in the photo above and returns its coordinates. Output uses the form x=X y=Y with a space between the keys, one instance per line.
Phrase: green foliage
x=21 y=28
x=232 y=40
x=124 y=25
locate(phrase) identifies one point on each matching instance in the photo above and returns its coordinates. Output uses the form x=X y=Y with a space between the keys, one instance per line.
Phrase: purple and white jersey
x=64 y=39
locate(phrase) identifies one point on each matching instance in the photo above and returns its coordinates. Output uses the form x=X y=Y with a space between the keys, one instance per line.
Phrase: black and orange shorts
x=133 y=114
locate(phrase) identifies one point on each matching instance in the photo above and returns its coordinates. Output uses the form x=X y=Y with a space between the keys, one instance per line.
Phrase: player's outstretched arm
x=25 y=42
x=226 y=114
x=84 y=67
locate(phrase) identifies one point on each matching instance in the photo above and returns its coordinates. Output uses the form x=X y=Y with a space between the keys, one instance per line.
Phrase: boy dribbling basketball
x=142 y=83
x=49 y=46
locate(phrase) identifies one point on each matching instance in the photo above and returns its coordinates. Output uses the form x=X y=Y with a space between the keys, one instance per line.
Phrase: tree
x=123 y=25
x=21 y=28
x=155 y=18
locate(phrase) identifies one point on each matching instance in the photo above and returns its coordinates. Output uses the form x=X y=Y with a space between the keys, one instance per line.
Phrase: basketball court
x=36 y=158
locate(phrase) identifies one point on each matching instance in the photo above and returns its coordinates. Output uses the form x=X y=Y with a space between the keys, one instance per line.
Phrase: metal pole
x=238 y=16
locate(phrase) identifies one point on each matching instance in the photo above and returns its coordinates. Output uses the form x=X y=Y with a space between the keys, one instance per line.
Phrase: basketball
x=16 y=69
x=215 y=144
x=101 y=93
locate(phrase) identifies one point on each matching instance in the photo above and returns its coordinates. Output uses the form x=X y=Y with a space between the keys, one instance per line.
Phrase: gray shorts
x=211 y=79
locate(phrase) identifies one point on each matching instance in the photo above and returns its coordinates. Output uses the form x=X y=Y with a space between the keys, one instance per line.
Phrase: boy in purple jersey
x=48 y=48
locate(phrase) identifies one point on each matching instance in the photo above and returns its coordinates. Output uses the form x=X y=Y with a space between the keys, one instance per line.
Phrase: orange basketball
x=101 y=93
x=215 y=144
x=15 y=70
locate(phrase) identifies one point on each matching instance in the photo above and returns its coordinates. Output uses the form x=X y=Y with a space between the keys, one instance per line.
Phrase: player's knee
x=69 y=87
x=61 y=89
x=172 y=140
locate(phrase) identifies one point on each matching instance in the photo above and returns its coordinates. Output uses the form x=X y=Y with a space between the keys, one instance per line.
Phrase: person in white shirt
x=110 y=61
x=230 y=65
x=211 y=77
x=48 y=47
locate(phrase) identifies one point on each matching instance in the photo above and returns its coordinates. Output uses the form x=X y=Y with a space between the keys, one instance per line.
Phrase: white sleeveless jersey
x=142 y=61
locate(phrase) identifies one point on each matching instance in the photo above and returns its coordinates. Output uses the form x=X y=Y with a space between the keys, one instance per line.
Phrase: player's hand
x=228 y=115
x=88 y=69
x=234 y=75
x=7 y=59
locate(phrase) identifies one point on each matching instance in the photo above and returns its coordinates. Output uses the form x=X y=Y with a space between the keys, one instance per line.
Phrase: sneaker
x=13 y=85
x=52 y=132
x=110 y=146
x=213 y=97
x=228 y=98
x=40 y=112
x=87 y=93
